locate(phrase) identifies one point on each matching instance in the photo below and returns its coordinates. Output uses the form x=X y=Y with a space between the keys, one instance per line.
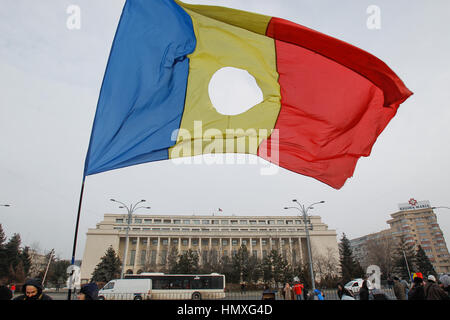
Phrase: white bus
x=184 y=286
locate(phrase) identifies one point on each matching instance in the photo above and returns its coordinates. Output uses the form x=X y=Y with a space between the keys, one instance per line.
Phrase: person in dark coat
x=5 y=293
x=433 y=291
x=364 y=291
x=417 y=291
x=88 y=292
x=342 y=292
x=32 y=290
x=399 y=289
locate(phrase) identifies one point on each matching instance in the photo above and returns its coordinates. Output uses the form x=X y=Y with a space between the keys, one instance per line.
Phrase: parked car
x=356 y=284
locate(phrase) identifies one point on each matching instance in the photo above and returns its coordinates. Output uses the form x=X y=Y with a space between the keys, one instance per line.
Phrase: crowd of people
x=420 y=289
x=32 y=289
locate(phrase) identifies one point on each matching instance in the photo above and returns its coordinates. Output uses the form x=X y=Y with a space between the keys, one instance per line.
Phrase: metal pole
x=407 y=267
x=48 y=265
x=309 y=249
x=69 y=293
x=126 y=243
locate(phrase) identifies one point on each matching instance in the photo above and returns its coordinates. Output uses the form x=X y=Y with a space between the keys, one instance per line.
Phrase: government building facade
x=151 y=239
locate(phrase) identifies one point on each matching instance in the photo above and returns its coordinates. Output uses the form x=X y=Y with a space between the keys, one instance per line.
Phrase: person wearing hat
x=399 y=289
x=417 y=290
x=32 y=290
x=88 y=292
x=433 y=291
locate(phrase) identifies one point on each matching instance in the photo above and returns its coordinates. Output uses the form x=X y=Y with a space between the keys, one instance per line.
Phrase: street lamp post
x=130 y=209
x=304 y=211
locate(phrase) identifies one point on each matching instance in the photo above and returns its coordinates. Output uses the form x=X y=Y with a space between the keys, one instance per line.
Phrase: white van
x=126 y=289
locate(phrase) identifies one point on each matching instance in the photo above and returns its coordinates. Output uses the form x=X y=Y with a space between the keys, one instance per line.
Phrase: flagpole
x=76 y=234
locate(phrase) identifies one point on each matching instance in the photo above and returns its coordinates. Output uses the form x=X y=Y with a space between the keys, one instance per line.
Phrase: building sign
x=413 y=204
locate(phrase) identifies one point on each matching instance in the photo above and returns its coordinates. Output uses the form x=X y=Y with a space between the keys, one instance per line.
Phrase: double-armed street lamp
x=130 y=209
x=304 y=211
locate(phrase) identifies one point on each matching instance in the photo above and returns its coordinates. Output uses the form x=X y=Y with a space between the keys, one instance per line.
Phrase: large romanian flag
x=324 y=102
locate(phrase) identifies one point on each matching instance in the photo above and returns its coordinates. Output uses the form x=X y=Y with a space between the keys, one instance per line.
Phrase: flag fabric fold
x=328 y=100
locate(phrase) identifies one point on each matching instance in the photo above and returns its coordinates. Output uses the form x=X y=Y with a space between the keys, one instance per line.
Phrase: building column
x=280 y=247
x=260 y=247
x=300 y=251
x=147 y=252
x=179 y=245
x=136 y=256
x=291 y=251
x=158 y=250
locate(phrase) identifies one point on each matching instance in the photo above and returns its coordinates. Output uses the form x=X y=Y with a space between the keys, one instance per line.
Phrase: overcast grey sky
x=50 y=78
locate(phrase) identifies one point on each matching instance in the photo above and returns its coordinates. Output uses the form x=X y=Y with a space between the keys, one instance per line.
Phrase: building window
x=196 y=221
x=175 y=229
x=264 y=242
x=137 y=220
x=244 y=242
x=157 y=221
x=153 y=257
x=224 y=242
x=255 y=253
x=167 y=221
x=147 y=220
x=174 y=241
x=243 y=222
x=215 y=222
x=176 y=221
x=289 y=222
x=165 y=242
x=205 y=242
x=143 y=256
x=253 y=242
x=253 y=222
x=224 y=222
x=264 y=254
x=132 y=257
x=205 y=221
x=234 y=242
x=155 y=242
x=119 y=220
x=215 y=242
x=186 y=221
x=234 y=222
x=195 y=242
x=185 y=242
x=271 y=221
x=261 y=221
